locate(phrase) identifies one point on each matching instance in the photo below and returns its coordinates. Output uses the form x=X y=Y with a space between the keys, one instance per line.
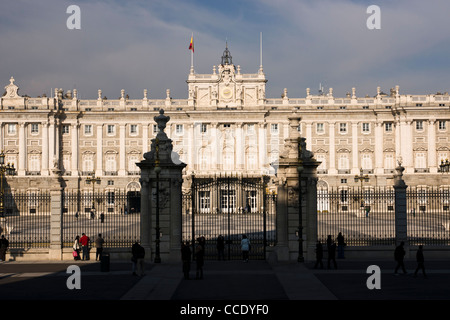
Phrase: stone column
x=45 y=149
x=296 y=197
x=262 y=146
x=161 y=198
x=355 y=152
x=239 y=151
x=51 y=143
x=99 y=167
x=214 y=147
x=379 y=168
x=22 y=150
x=75 y=148
x=56 y=199
x=432 y=164
x=144 y=138
x=122 y=150
x=401 y=229
x=332 y=165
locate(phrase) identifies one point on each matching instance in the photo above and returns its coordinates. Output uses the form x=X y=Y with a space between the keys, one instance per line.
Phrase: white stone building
x=226 y=125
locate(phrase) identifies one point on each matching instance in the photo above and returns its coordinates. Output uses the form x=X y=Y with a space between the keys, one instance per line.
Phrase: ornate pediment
x=11 y=90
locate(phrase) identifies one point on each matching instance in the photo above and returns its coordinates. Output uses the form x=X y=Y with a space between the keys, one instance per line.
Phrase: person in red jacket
x=84 y=241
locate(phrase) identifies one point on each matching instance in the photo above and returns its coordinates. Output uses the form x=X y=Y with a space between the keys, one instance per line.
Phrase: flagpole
x=192 y=54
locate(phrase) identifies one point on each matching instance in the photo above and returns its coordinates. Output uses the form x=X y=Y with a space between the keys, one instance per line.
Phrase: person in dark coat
x=399 y=255
x=220 y=247
x=332 y=254
x=4 y=244
x=340 y=245
x=199 y=255
x=186 y=258
x=319 y=255
x=420 y=261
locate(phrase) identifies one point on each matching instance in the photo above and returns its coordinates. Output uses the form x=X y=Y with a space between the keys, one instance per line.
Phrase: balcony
x=421 y=170
x=33 y=173
x=134 y=173
x=110 y=173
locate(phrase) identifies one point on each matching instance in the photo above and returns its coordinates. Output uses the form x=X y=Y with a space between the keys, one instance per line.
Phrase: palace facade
x=226 y=125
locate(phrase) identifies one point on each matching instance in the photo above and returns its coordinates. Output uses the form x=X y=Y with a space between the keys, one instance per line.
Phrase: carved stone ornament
x=11 y=90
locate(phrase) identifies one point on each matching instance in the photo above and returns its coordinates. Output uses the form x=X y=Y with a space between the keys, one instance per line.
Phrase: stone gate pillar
x=401 y=230
x=161 y=198
x=296 y=206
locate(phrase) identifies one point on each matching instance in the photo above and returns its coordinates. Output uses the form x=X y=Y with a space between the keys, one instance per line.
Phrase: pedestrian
x=340 y=245
x=102 y=217
x=76 y=248
x=367 y=212
x=329 y=241
x=138 y=255
x=199 y=258
x=332 y=254
x=319 y=255
x=186 y=259
x=413 y=212
x=220 y=247
x=399 y=255
x=245 y=247
x=4 y=244
x=84 y=240
x=420 y=261
x=99 y=242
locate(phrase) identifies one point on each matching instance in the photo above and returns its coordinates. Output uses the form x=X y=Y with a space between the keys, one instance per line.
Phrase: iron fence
x=428 y=215
x=230 y=207
x=364 y=217
x=114 y=214
x=26 y=221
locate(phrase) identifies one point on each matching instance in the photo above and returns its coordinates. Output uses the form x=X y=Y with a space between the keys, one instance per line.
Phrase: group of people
x=83 y=244
x=331 y=250
x=186 y=254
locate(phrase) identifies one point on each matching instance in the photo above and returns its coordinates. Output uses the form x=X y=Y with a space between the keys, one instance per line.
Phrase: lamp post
x=157 y=228
x=361 y=177
x=94 y=180
x=4 y=170
x=300 y=209
x=444 y=166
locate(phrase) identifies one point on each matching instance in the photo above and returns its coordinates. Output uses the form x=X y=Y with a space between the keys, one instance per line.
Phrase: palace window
x=203 y=128
x=133 y=129
x=320 y=128
x=34 y=128
x=88 y=129
x=388 y=127
x=442 y=125
x=11 y=128
x=366 y=127
x=419 y=125
x=65 y=129
x=343 y=128
x=111 y=129
x=274 y=128
x=179 y=129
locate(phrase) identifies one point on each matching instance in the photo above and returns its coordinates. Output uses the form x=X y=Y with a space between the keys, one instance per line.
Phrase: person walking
x=332 y=254
x=420 y=261
x=399 y=255
x=340 y=245
x=102 y=217
x=99 y=242
x=84 y=240
x=319 y=255
x=199 y=257
x=76 y=248
x=220 y=247
x=4 y=244
x=186 y=259
x=245 y=247
x=138 y=255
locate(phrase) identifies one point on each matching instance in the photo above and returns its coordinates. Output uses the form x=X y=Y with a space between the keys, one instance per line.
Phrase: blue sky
x=137 y=45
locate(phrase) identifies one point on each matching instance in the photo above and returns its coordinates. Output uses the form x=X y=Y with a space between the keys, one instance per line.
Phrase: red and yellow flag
x=191 y=45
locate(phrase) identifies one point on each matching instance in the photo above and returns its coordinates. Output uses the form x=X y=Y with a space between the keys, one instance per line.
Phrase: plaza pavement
x=223 y=280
